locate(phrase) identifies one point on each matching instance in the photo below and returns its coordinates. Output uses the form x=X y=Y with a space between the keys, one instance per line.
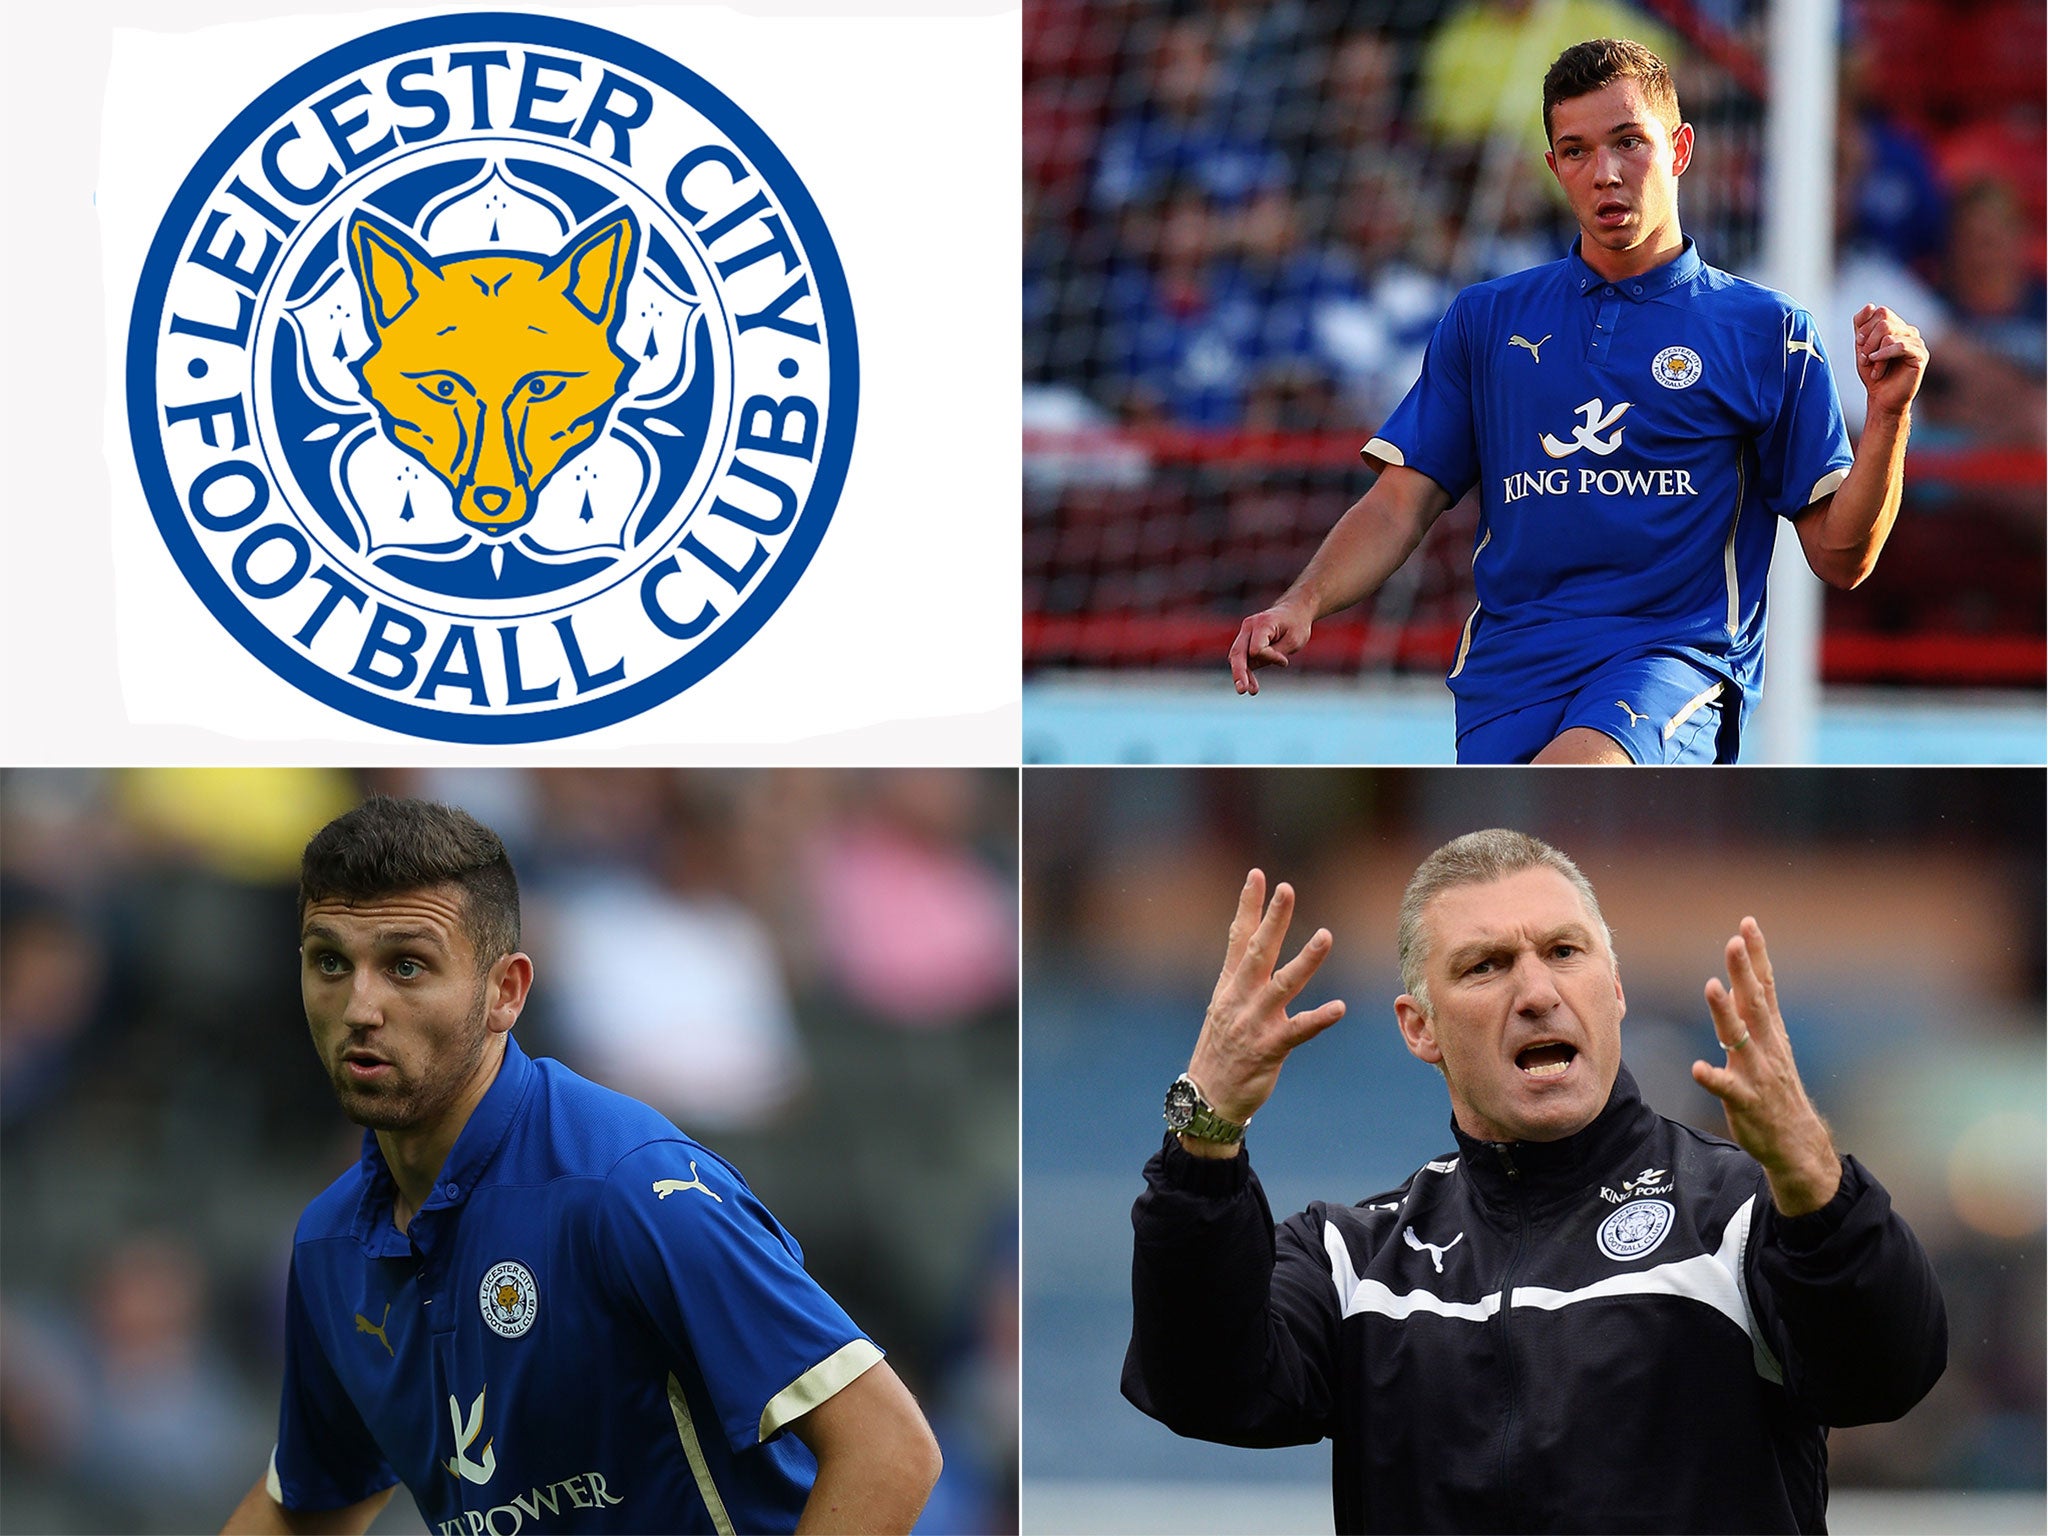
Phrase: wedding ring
x=1732 y=1048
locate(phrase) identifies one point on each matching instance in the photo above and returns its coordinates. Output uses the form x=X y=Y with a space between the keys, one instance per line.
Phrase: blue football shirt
x=591 y=1325
x=1634 y=444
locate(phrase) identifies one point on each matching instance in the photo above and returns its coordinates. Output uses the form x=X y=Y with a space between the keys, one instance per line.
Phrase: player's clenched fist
x=1266 y=640
x=1882 y=340
x=1248 y=1031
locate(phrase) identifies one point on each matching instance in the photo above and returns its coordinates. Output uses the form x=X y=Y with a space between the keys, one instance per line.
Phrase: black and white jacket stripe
x=1613 y=1332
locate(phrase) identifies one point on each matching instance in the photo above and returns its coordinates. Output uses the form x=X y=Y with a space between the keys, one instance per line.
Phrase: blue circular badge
x=492 y=378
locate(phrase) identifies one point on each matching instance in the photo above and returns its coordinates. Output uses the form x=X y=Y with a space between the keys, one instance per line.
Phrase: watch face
x=1180 y=1105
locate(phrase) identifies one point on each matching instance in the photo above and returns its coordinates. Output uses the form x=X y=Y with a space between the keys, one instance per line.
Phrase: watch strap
x=1204 y=1124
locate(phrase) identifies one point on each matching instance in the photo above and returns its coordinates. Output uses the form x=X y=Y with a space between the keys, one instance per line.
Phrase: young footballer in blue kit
x=1636 y=422
x=534 y=1301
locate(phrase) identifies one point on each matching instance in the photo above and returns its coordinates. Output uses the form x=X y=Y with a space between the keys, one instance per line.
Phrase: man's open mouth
x=1547 y=1058
x=363 y=1065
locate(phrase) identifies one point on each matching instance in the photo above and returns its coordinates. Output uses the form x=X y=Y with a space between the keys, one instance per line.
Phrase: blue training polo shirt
x=1634 y=444
x=591 y=1325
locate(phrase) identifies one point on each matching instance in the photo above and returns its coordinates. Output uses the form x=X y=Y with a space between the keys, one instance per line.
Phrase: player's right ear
x=506 y=986
x=1417 y=1032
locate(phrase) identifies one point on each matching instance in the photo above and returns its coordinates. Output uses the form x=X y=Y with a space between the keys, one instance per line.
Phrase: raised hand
x=1247 y=1032
x=1891 y=358
x=1769 y=1114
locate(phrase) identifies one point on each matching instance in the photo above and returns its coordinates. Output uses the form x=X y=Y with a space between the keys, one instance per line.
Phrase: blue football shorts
x=1661 y=708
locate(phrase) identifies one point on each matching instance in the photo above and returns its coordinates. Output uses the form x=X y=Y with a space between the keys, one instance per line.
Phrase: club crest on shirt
x=1676 y=367
x=1635 y=1228
x=491 y=378
x=509 y=1298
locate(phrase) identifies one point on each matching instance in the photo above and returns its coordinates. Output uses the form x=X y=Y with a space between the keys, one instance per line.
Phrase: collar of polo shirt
x=1644 y=285
x=467 y=1162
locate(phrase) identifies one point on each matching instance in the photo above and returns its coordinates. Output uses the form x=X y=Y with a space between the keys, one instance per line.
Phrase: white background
x=900 y=642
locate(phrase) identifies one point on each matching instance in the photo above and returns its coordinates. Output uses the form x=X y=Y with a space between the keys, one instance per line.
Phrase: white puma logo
x=1633 y=717
x=667 y=1187
x=1436 y=1254
x=1598 y=418
x=1523 y=341
x=1803 y=346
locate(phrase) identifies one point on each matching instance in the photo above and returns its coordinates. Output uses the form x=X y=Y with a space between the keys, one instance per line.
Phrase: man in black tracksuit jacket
x=1587 y=1317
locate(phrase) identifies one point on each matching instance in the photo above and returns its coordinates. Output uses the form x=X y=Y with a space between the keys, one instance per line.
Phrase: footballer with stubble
x=532 y=1300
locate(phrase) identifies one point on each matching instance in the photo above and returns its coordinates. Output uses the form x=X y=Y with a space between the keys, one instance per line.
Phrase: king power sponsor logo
x=1651 y=1181
x=1595 y=417
x=492 y=378
x=1597 y=482
x=586 y=1490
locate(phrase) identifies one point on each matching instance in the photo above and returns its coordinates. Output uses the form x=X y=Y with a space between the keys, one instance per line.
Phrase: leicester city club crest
x=1635 y=1229
x=1676 y=367
x=492 y=378
x=508 y=1299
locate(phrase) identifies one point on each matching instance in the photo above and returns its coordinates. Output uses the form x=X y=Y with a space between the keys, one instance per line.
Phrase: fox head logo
x=496 y=368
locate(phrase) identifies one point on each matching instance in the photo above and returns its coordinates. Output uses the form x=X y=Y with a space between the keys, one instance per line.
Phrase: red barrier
x=1191 y=641
x=1100 y=639
x=1323 y=450
x=1989 y=660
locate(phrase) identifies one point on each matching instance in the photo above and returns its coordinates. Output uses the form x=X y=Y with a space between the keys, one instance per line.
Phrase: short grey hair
x=1477 y=858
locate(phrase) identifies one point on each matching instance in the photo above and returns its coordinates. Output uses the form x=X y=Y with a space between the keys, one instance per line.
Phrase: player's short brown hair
x=1586 y=67
x=387 y=847
x=1477 y=858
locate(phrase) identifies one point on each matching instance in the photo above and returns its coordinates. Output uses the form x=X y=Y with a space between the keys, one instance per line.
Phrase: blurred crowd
x=1904 y=911
x=1245 y=214
x=814 y=973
